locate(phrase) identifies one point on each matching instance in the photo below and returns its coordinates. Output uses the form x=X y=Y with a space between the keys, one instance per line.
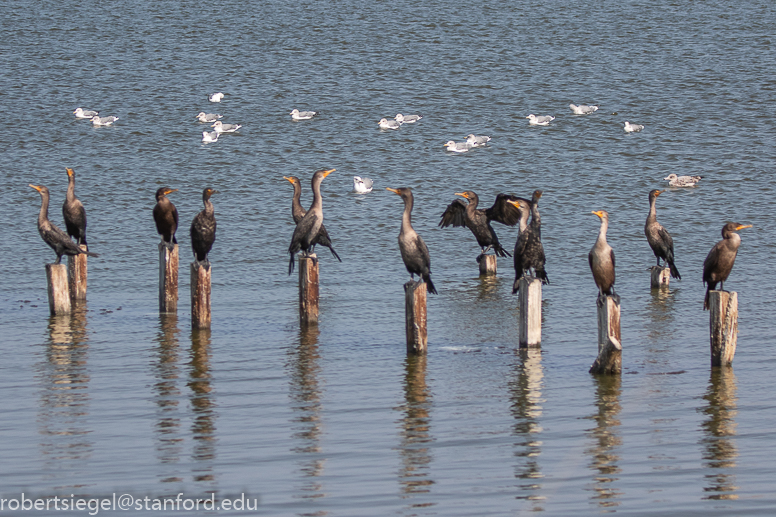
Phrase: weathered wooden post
x=609 y=360
x=200 y=295
x=488 y=265
x=168 y=278
x=530 y=312
x=415 y=316
x=308 y=289
x=76 y=275
x=58 y=290
x=723 y=326
x=660 y=276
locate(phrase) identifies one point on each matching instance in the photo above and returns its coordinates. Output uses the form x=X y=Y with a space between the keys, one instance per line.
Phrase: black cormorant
x=203 y=228
x=601 y=259
x=658 y=237
x=529 y=250
x=297 y=212
x=721 y=258
x=166 y=216
x=308 y=227
x=414 y=251
x=59 y=241
x=73 y=212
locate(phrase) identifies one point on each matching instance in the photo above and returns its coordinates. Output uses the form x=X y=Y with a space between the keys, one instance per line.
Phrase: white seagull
x=582 y=109
x=215 y=97
x=632 y=128
x=388 y=124
x=477 y=141
x=543 y=120
x=682 y=181
x=209 y=136
x=103 y=121
x=302 y=115
x=460 y=147
x=208 y=117
x=225 y=128
x=82 y=113
x=362 y=186
x=407 y=119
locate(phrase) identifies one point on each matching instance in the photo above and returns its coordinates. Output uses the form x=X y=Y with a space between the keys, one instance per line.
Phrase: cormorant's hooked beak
x=392 y=190
x=515 y=203
x=599 y=213
x=327 y=172
x=35 y=187
x=70 y=171
x=742 y=226
x=289 y=179
x=462 y=194
x=170 y=190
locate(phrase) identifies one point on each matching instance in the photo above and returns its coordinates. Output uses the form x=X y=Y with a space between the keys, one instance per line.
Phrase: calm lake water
x=337 y=421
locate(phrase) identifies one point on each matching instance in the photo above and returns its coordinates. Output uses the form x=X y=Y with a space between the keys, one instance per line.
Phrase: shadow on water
x=305 y=392
x=719 y=429
x=169 y=445
x=415 y=424
x=64 y=405
x=203 y=405
x=526 y=394
x=606 y=441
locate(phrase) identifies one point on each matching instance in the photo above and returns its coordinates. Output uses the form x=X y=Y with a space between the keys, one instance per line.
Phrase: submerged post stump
x=308 y=289
x=488 y=265
x=415 y=316
x=609 y=360
x=530 y=312
x=168 y=278
x=76 y=275
x=723 y=326
x=660 y=276
x=58 y=290
x=200 y=295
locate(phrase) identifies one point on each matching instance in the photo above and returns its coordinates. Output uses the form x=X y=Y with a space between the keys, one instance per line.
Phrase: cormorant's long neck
x=523 y=224
x=732 y=239
x=536 y=218
x=652 y=217
x=209 y=209
x=602 y=232
x=44 y=204
x=406 y=217
x=296 y=204
x=317 y=200
x=70 y=188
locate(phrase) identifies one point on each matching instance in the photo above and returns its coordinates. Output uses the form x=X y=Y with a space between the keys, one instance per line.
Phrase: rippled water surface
x=337 y=420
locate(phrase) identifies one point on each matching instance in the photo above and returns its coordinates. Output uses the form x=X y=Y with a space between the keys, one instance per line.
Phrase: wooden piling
x=660 y=277
x=415 y=317
x=200 y=295
x=76 y=275
x=723 y=326
x=168 y=278
x=58 y=290
x=308 y=289
x=488 y=265
x=609 y=360
x=530 y=312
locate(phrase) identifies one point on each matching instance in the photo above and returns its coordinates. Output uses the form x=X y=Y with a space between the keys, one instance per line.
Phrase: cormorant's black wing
x=454 y=214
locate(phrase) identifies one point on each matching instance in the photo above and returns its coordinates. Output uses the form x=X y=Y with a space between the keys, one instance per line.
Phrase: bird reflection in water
x=526 y=394
x=203 y=405
x=719 y=429
x=167 y=394
x=305 y=394
x=660 y=310
x=606 y=440
x=64 y=405
x=414 y=428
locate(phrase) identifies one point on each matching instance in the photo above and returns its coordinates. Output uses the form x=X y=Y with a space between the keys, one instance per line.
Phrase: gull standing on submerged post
x=58 y=240
x=658 y=237
x=414 y=251
x=720 y=260
x=308 y=227
x=73 y=212
x=298 y=212
x=601 y=260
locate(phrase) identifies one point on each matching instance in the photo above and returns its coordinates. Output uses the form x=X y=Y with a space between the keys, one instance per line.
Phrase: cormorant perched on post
x=529 y=251
x=308 y=227
x=658 y=237
x=478 y=221
x=166 y=216
x=203 y=228
x=721 y=258
x=298 y=212
x=73 y=212
x=414 y=251
x=59 y=241
x=601 y=259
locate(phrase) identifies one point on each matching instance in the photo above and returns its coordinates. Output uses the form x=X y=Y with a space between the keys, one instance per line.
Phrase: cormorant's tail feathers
x=674 y=271
x=291 y=264
x=331 y=248
x=429 y=284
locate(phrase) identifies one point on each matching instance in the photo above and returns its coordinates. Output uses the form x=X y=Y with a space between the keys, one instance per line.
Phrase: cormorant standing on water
x=601 y=259
x=658 y=237
x=720 y=260
x=73 y=212
x=414 y=251
x=298 y=212
x=166 y=216
x=59 y=241
x=308 y=227
x=203 y=228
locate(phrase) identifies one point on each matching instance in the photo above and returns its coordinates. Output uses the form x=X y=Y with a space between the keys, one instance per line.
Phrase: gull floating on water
x=632 y=128
x=82 y=113
x=103 y=121
x=682 y=181
x=302 y=115
x=583 y=109
x=388 y=124
x=477 y=141
x=362 y=186
x=460 y=147
x=543 y=120
x=407 y=119
x=209 y=136
x=225 y=128
x=215 y=97
x=208 y=117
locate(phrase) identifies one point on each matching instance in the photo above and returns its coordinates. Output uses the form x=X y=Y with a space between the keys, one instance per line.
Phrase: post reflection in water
x=662 y=313
x=719 y=428
x=169 y=445
x=64 y=405
x=203 y=405
x=415 y=425
x=526 y=395
x=305 y=392
x=606 y=440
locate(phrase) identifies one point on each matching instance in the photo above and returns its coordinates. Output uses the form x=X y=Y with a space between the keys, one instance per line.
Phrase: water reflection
x=64 y=405
x=526 y=394
x=606 y=440
x=169 y=445
x=305 y=391
x=203 y=405
x=414 y=449
x=662 y=314
x=719 y=428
